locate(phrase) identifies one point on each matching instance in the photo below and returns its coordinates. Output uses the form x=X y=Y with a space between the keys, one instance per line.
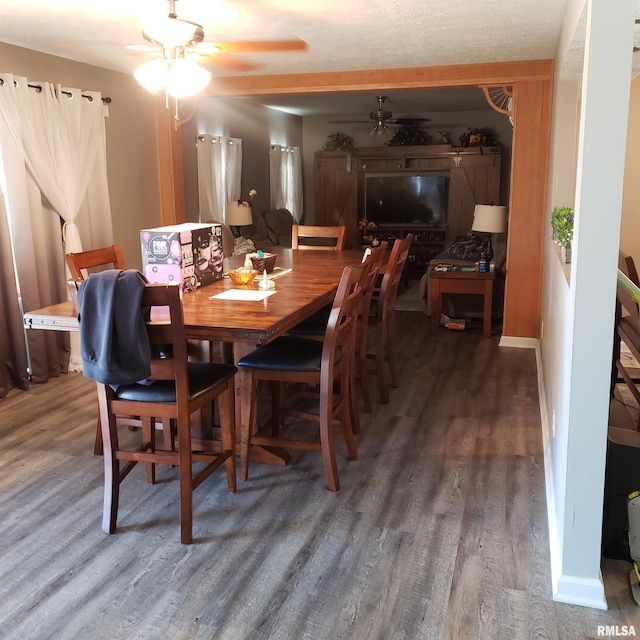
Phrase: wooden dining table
x=305 y=281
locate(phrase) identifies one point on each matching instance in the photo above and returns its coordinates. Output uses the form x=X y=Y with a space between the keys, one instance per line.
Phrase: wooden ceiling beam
x=495 y=73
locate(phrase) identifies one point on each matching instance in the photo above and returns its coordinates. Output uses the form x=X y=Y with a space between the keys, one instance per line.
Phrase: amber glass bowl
x=242 y=276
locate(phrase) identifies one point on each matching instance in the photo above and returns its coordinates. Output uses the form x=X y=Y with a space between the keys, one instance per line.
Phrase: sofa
x=465 y=251
x=270 y=231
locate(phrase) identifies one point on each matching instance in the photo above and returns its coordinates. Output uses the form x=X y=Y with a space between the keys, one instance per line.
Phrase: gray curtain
x=13 y=356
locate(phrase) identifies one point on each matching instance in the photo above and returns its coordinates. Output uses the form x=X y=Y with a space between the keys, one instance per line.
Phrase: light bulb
x=185 y=78
x=152 y=75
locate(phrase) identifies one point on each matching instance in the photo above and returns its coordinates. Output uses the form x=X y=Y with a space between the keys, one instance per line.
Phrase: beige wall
x=130 y=128
x=630 y=224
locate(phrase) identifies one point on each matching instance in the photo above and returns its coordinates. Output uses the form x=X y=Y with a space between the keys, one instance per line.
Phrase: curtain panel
x=219 y=161
x=53 y=175
x=285 y=179
x=13 y=356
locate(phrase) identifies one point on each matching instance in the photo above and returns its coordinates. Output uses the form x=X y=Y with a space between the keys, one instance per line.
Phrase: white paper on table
x=252 y=295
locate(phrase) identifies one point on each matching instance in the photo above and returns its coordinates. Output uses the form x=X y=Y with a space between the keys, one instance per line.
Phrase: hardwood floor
x=439 y=530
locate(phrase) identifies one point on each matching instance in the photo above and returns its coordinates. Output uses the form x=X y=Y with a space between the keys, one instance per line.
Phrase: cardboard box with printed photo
x=190 y=254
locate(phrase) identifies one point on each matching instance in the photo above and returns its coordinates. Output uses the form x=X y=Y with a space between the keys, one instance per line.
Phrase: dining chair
x=318 y=237
x=377 y=257
x=315 y=327
x=96 y=260
x=177 y=389
x=381 y=319
x=85 y=262
x=309 y=362
x=104 y=258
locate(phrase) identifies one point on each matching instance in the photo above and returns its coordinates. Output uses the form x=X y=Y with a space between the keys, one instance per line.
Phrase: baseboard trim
x=554 y=549
x=584 y=592
x=568 y=589
x=521 y=343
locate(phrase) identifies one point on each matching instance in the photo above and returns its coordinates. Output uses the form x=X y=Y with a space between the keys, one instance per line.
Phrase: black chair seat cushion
x=286 y=354
x=202 y=376
x=315 y=325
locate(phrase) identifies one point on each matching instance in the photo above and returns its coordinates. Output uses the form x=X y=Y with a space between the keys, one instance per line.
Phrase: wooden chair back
x=373 y=264
x=391 y=279
x=382 y=319
x=86 y=262
x=106 y=257
x=347 y=306
x=168 y=364
x=317 y=237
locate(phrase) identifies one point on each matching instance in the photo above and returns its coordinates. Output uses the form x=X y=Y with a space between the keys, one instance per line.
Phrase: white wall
x=556 y=311
x=578 y=314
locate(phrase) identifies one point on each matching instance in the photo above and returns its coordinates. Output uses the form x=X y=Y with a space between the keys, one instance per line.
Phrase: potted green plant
x=338 y=142
x=409 y=135
x=562 y=225
x=479 y=137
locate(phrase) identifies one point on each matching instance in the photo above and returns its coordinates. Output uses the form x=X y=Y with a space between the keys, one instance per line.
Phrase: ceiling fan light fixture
x=151 y=75
x=172 y=32
x=380 y=129
x=178 y=75
x=185 y=78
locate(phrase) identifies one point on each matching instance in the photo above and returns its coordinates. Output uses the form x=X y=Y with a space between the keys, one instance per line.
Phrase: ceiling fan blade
x=227 y=62
x=145 y=48
x=408 y=120
x=261 y=46
x=349 y=121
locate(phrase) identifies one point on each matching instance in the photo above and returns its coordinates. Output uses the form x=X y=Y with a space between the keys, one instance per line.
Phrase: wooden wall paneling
x=461 y=198
x=527 y=207
x=170 y=167
x=336 y=193
x=433 y=164
x=475 y=181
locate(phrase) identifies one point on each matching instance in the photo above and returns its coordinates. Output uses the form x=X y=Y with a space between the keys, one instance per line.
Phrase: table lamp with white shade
x=489 y=218
x=238 y=215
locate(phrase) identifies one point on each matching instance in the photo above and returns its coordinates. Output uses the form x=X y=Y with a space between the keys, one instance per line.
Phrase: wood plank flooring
x=439 y=530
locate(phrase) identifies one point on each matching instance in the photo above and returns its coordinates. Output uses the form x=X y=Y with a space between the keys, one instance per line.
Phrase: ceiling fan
x=381 y=118
x=172 y=38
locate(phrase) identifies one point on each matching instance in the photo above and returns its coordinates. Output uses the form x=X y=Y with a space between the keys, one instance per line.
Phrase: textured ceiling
x=342 y=35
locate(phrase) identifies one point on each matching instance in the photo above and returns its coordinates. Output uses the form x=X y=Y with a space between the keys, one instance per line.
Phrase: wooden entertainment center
x=474 y=178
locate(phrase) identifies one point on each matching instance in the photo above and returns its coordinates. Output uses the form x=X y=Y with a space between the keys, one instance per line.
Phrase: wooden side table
x=469 y=282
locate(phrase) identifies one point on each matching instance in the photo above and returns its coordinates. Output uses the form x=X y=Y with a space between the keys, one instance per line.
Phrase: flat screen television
x=407 y=198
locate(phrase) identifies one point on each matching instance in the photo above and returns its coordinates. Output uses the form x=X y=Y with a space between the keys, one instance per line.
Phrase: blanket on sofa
x=468 y=248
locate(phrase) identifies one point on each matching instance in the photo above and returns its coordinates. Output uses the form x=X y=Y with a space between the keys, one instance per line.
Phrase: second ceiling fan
x=381 y=118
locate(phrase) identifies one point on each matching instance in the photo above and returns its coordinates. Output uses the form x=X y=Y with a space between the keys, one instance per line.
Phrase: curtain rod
x=38 y=88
